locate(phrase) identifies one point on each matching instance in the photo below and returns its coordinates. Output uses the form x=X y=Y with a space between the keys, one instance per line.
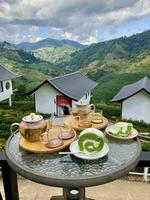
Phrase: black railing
x=10 y=177
x=144 y=159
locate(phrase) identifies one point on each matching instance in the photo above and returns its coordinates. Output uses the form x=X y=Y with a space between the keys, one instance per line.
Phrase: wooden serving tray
x=38 y=147
x=74 y=123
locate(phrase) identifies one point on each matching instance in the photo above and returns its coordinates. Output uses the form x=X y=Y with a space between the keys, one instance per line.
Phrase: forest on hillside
x=112 y=64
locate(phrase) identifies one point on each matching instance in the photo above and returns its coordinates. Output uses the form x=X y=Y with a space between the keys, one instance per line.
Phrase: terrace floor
x=129 y=188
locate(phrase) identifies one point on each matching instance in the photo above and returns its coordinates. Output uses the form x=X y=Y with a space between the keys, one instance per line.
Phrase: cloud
x=34 y=28
x=74 y=19
x=15 y=34
x=69 y=36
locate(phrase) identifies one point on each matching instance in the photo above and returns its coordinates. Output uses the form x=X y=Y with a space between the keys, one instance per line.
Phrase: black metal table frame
x=11 y=189
x=72 y=194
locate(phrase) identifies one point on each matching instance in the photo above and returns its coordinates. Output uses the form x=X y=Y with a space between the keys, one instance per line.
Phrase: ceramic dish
x=134 y=133
x=91 y=156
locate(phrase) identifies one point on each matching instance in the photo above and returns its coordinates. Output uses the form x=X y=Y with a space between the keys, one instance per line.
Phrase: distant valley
x=111 y=63
x=52 y=50
x=31 y=69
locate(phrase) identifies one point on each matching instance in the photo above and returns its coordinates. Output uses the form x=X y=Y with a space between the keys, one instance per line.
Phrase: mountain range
x=107 y=53
x=112 y=63
x=31 y=69
x=48 y=42
x=51 y=50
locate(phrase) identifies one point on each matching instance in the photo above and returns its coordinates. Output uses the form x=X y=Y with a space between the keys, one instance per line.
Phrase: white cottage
x=6 y=84
x=57 y=94
x=135 y=100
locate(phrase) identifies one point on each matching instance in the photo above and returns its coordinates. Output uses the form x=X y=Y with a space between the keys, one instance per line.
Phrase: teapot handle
x=11 y=127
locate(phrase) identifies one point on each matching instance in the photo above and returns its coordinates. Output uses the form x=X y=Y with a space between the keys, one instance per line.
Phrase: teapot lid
x=32 y=118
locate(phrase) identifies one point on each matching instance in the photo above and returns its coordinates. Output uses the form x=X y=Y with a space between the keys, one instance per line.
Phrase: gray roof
x=5 y=74
x=74 y=85
x=129 y=90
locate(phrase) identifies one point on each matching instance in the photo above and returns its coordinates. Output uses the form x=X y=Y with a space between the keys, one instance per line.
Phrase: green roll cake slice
x=90 y=142
x=122 y=129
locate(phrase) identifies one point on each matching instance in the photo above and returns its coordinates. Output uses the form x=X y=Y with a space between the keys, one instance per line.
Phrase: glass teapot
x=31 y=127
x=82 y=106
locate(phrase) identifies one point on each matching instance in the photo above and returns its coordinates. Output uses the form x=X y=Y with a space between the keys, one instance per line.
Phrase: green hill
x=48 y=42
x=32 y=70
x=54 y=54
x=113 y=63
x=51 y=50
x=110 y=85
x=110 y=52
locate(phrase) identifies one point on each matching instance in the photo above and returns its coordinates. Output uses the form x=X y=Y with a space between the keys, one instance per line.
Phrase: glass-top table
x=70 y=172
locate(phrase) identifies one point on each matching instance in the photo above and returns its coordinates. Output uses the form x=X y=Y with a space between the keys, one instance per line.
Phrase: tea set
x=33 y=128
x=39 y=135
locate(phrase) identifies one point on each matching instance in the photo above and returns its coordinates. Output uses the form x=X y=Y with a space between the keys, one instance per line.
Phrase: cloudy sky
x=86 y=21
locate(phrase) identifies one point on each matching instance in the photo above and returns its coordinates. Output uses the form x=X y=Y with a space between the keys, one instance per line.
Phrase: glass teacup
x=50 y=137
x=84 y=120
x=66 y=132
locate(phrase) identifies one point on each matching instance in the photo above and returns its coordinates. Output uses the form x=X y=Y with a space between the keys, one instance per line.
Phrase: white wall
x=45 y=98
x=137 y=107
x=6 y=92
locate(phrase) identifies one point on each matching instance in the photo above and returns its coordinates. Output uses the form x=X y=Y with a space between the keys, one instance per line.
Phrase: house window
x=7 y=85
x=1 y=86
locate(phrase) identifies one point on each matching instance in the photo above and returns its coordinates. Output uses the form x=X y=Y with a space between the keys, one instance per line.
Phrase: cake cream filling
x=95 y=143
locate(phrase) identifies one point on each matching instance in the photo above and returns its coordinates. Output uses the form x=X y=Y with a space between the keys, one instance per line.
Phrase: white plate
x=134 y=133
x=91 y=156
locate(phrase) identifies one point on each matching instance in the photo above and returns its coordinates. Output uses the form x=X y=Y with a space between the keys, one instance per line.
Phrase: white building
x=135 y=100
x=57 y=94
x=6 y=84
